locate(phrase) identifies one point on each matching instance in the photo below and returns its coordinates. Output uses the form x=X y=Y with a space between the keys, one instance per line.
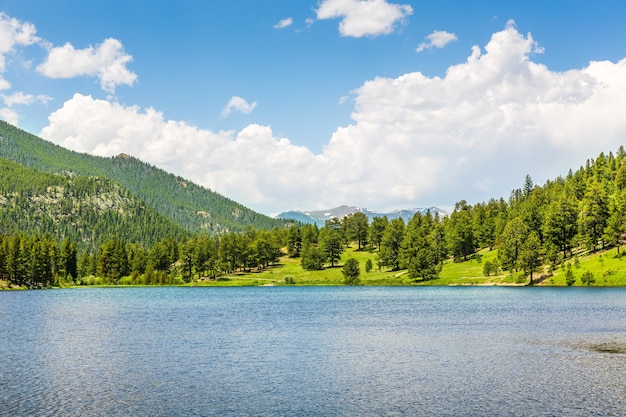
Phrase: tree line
x=536 y=226
x=39 y=261
x=584 y=211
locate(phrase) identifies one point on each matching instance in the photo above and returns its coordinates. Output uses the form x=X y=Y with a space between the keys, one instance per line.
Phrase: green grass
x=290 y=267
x=463 y=273
x=607 y=268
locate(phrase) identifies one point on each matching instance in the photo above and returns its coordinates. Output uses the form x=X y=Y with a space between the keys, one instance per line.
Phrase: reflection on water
x=313 y=351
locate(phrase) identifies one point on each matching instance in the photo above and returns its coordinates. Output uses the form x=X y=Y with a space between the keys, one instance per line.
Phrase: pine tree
x=391 y=244
x=351 y=271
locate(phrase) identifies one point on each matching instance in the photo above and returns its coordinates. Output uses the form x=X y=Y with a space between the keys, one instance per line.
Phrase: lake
x=313 y=351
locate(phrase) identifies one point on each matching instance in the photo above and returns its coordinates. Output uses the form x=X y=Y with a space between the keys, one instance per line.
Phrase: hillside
x=189 y=206
x=87 y=210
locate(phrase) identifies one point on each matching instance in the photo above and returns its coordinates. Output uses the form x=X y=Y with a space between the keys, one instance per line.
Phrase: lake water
x=313 y=351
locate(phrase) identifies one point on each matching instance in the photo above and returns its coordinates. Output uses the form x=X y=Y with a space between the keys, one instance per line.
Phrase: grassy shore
x=607 y=268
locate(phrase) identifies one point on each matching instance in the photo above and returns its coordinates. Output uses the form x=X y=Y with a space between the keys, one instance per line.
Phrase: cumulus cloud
x=245 y=166
x=13 y=33
x=415 y=140
x=364 y=17
x=20 y=98
x=107 y=61
x=238 y=104
x=284 y=23
x=437 y=39
x=9 y=115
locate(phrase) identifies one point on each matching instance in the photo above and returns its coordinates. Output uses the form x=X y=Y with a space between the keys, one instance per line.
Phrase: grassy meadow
x=607 y=268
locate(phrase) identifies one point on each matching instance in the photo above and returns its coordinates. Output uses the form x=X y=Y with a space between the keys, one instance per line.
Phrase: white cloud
x=21 y=98
x=245 y=166
x=415 y=140
x=13 y=33
x=364 y=17
x=9 y=115
x=284 y=23
x=106 y=61
x=239 y=104
x=437 y=39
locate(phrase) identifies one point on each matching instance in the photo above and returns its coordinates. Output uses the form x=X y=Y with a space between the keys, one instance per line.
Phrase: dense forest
x=86 y=210
x=59 y=227
x=189 y=206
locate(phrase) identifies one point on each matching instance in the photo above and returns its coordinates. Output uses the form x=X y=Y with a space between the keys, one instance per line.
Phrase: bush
x=570 y=279
x=487 y=268
x=368 y=265
x=178 y=281
x=351 y=271
x=289 y=280
x=125 y=281
x=588 y=278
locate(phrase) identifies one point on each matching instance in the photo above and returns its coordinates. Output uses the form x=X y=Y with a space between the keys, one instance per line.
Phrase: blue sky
x=311 y=104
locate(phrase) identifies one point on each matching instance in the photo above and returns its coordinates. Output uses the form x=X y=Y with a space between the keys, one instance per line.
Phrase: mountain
x=87 y=210
x=319 y=217
x=183 y=203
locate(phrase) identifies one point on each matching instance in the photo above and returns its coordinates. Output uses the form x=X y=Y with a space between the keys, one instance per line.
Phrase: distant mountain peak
x=320 y=217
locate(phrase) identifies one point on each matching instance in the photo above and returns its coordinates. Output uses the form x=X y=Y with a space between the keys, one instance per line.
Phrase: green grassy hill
x=607 y=268
x=185 y=204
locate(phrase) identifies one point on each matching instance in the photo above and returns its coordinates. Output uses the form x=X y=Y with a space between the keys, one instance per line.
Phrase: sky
x=311 y=104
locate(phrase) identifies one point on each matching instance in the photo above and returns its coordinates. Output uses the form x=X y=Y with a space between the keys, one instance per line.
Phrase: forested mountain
x=73 y=218
x=189 y=206
x=87 y=210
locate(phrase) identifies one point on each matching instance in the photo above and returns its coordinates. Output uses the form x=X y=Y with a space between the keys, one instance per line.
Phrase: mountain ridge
x=191 y=206
x=319 y=217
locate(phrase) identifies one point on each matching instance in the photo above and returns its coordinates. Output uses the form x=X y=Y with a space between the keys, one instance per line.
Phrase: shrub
x=351 y=271
x=588 y=278
x=125 y=281
x=570 y=279
x=487 y=268
x=178 y=281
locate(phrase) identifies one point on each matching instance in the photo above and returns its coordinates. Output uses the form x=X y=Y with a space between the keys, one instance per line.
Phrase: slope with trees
x=186 y=204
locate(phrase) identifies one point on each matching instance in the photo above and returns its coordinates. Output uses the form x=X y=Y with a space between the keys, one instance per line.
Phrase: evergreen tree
x=312 y=258
x=616 y=223
x=417 y=252
x=187 y=253
x=530 y=254
x=376 y=230
x=294 y=242
x=113 y=260
x=330 y=242
x=460 y=232
x=561 y=224
x=68 y=261
x=137 y=258
x=351 y=272
x=594 y=214
x=358 y=225
x=510 y=245
x=391 y=244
